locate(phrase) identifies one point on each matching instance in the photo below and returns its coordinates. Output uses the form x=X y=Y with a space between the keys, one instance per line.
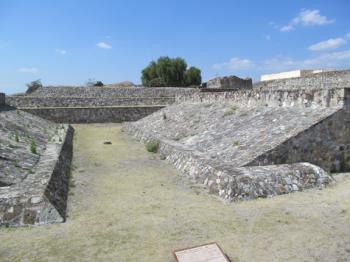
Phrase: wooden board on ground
x=204 y=253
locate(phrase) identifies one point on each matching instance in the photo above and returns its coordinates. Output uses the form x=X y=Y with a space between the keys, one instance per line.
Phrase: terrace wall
x=93 y=114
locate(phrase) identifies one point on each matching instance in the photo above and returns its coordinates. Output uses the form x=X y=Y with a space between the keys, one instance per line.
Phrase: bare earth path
x=128 y=205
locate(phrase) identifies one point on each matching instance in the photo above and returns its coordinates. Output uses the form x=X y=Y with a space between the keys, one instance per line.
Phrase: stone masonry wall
x=2 y=99
x=257 y=97
x=39 y=101
x=325 y=80
x=68 y=91
x=93 y=114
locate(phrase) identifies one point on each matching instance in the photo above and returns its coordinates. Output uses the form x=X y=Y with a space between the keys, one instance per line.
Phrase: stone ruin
x=241 y=143
x=278 y=137
x=229 y=82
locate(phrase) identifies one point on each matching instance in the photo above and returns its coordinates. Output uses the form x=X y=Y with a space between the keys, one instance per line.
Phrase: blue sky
x=68 y=42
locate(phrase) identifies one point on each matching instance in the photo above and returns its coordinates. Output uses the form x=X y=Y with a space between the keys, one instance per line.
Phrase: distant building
x=230 y=82
x=292 y=74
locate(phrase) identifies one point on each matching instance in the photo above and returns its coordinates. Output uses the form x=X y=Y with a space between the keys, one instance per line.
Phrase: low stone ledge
x=236 y=183
x=39 y=101
x=106 y=114
x=41 y=198
x=275 y=98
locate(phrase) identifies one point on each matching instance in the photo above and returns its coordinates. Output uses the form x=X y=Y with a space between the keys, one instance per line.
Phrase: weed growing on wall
x=152 y=146
x=33 y=148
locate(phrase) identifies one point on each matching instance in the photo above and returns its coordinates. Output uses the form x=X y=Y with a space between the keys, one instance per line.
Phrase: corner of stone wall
x=2 y=99
x=57 y=189
x=347 y=99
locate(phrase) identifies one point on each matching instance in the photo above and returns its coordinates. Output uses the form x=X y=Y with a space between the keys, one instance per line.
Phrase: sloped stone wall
x=236 y=183
x=41 y=198
x=326 y=144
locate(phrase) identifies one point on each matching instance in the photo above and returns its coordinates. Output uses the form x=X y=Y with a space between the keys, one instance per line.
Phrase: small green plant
x=17 y=163
x=16 y=137
x=343 y=162
x=231 y=111
x=33 y=148
x=152 y=146
x=236 y=143
x=30 y=171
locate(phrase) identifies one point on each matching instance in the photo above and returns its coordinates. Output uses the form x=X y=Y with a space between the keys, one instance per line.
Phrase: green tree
x=193 y=77
x=171 y=72
x=149 y=73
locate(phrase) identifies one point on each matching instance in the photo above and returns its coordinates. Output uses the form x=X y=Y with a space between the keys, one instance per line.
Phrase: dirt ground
x=128 y=205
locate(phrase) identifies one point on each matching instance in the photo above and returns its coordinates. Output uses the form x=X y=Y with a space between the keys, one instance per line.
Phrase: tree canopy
x=170 y=72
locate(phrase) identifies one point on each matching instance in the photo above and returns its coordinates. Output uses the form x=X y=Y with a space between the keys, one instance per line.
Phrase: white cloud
x=324 y=60
x=286 y=28
x=60 y=51
x=103 y=45
x=307 y=17
x=31 y=70
x=331 y=43
x=235 y=63
x=333 y=59
x=340 y=59
x=278 y=63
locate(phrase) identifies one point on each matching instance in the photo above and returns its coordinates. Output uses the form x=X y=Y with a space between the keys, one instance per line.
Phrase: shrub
x=236 y=143
x=33 y=86
x=33 y=148
x=99 y=83
x=152 y=146
x=170 y=72
x=93 y=82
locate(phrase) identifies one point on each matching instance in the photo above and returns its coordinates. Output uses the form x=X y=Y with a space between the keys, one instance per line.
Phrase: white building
x=291 y=74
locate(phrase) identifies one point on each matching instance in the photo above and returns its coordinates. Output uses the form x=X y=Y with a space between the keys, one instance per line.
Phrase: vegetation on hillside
x=33 y=86
x=172 y=72
x=93 y=82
